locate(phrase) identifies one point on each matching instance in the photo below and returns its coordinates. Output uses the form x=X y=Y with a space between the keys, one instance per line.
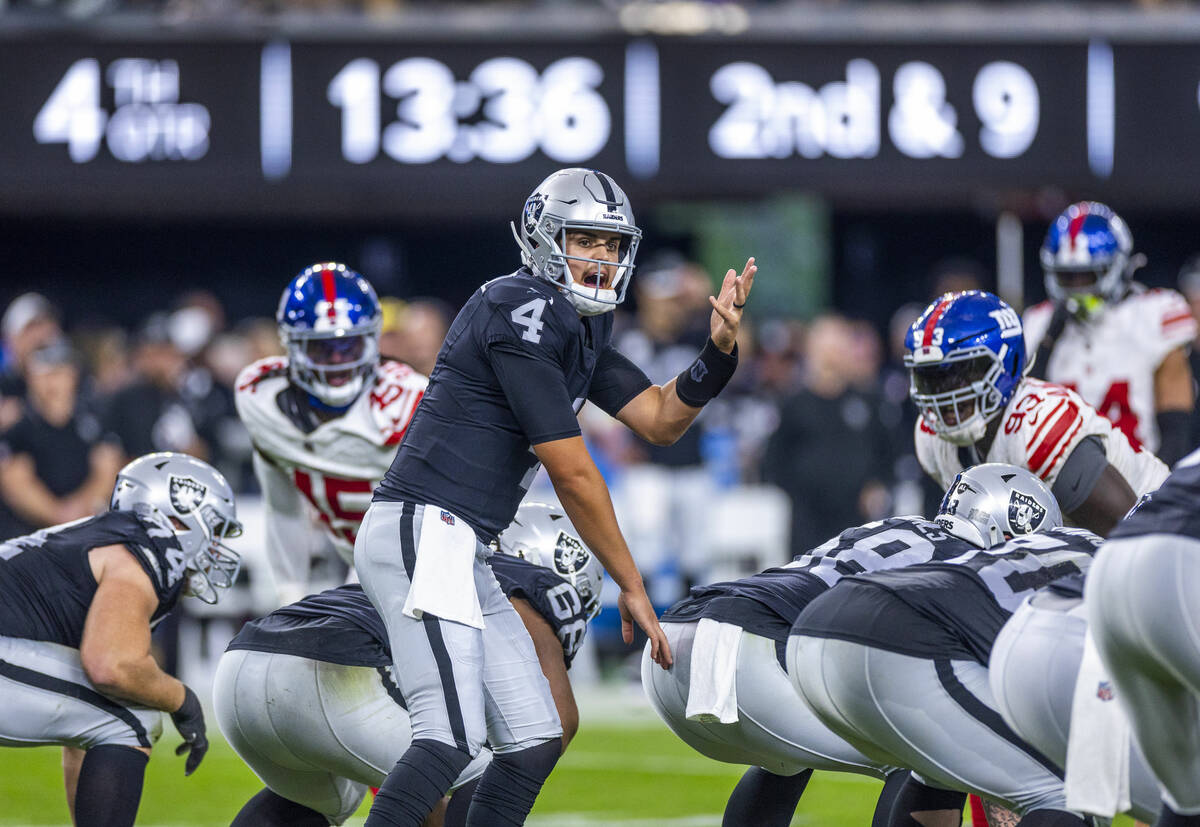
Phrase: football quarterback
x=524 y=354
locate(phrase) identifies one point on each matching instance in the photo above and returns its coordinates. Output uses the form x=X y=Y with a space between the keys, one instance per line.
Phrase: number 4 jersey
x=330 y=468
x=1111 y=360
x=1039 y=428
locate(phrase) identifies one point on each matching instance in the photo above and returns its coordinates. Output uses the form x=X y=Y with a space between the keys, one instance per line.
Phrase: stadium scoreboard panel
x=401 y=128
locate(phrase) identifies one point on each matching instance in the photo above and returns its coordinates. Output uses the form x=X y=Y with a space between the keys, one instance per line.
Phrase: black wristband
x=706 y=376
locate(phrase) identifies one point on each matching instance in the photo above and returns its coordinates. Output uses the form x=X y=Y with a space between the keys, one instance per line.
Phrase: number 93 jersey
x=1111 y=360
x=1039 y=428
x=333 y=465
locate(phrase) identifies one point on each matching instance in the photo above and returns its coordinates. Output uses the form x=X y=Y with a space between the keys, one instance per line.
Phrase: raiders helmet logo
x=1025 y=514
x=533 y=212
x=569 y=554
x=186 y=494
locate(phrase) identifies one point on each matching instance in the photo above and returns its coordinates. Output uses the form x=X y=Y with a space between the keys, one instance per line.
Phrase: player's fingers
x=627 y=631
x=664 y=658
x=182 y=748
x=723 y=311
x=749 y=268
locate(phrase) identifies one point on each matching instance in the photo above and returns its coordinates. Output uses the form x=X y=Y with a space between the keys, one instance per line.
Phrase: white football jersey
x=331 y=471
x=1111 y=360
x=1039 y=428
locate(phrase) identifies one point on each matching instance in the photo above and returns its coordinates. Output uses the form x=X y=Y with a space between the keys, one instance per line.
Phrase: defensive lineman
x=77 y=605
x=966 y=354
x=895 y=661
x=523 y=355
x=307 y=698
x=728 y=695
x=325 y=419
x=1143 y=600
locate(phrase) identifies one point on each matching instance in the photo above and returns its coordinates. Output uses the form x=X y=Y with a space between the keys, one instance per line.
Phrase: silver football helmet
x=578 y=199
x=542 y=534
x=194 y=499
x=994 y=502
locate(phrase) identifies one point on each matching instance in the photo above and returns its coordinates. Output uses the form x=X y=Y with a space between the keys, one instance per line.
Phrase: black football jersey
x=952 y=608
x=467 y=449
x=336 y=626
x=341 y=625
x=1172 y=509
x=46 y=582
x=552 y=597
x=767 y=603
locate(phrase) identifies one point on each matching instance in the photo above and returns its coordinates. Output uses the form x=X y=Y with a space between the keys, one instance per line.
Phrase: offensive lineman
x=895 y=661
x=307 y=698
x=325 y=420
x=756 y=718
x=77 y=605
x=523 y=355
x=1121 y=346
x=1033 y=671
x=1142 y=605
x=966 y=355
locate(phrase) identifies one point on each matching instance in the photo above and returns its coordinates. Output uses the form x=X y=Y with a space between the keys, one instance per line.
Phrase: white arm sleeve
x=289 y=531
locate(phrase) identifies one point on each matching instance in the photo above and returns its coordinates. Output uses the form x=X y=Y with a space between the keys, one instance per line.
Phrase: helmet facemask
x=335 y=366
x=191 y=501
x=579 y=201
x=958 y=395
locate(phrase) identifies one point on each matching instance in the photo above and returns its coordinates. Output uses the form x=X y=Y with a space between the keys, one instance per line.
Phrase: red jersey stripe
x=1050 y=465
x=1045 y=422
x=1052 y=438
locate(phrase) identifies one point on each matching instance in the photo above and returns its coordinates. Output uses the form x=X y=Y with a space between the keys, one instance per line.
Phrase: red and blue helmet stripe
x=327 y=298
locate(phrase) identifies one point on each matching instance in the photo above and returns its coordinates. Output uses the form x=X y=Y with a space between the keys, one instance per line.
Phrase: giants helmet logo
x=1024 y=513
x=569 y=554
x=186 y=494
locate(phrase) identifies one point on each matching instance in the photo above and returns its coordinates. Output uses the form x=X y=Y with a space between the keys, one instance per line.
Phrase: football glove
x=189 y=720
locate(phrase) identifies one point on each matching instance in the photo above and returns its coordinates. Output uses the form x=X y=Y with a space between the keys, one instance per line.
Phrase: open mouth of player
x=595 y=280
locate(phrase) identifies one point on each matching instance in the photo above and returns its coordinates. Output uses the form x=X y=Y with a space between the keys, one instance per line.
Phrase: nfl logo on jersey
x=447 y=518
x=1104 y=691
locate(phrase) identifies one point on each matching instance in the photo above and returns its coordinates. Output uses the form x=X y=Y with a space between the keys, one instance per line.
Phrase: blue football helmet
x=1086 y=257
x=329 y=320
x=966 y=356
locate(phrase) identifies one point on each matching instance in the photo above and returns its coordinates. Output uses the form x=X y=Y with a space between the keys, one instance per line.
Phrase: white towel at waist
x=1097 y=779
x=712 y=685
x=443 y=580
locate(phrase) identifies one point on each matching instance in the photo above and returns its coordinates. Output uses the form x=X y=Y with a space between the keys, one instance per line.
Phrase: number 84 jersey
x=1039 y=428
x=305 y=465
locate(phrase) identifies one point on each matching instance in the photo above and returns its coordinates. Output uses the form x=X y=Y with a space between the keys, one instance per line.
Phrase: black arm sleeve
x=1079 y=474
x=615 y=382
x=536 y=391
x=1174 y=430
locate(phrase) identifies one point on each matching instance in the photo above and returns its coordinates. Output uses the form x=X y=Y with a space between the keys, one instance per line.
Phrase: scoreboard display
x=308 y=128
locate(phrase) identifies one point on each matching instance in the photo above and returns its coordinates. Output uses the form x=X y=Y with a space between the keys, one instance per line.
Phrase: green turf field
x=627 y=775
